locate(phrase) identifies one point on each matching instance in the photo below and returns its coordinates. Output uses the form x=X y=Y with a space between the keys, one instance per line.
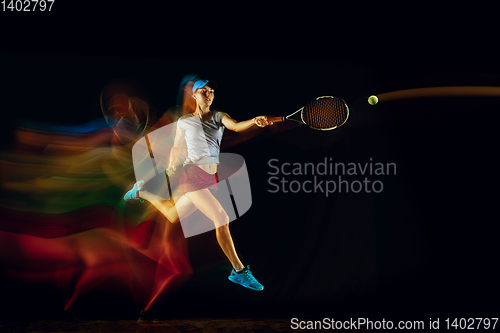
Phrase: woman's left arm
x=240 y=126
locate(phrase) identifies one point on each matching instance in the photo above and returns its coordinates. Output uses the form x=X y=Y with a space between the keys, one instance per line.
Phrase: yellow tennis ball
x=372 y=100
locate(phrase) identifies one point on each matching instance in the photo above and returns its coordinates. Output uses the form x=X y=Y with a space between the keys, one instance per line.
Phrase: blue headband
x=201 y=83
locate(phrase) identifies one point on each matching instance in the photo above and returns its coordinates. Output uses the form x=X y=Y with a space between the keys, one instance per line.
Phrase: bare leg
x=208 y=205
x=183 y=206
x=226 y=243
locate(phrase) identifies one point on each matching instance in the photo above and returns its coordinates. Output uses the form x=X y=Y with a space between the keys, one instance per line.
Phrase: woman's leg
x=226 y=243
x=183 y=206
x=210 y=206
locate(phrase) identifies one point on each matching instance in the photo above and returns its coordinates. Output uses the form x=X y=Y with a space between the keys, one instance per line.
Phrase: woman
x=200 y=174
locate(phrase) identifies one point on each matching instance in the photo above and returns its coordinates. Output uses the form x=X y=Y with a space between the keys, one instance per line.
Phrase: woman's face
x=204 y=96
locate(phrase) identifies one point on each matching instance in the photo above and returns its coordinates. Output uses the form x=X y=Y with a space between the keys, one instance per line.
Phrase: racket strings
x=325 y=113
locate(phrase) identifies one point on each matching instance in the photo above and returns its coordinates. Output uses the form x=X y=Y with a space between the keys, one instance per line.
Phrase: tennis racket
x=323 y=113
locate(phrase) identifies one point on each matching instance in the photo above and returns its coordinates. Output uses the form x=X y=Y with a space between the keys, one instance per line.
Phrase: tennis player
x=200 y=173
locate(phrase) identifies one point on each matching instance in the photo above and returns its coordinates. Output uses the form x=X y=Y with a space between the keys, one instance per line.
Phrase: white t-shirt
x=203 y=137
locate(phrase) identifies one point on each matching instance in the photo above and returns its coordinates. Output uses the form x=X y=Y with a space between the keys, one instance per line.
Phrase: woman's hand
x=261 y=121
x=171 y=170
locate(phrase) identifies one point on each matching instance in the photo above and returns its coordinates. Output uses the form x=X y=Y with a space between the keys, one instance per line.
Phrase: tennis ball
x=372 y=100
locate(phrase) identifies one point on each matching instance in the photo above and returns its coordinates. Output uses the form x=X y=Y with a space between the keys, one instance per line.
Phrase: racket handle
x=276 y=119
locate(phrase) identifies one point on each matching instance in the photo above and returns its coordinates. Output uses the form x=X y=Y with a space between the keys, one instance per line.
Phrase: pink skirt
x=194 y=179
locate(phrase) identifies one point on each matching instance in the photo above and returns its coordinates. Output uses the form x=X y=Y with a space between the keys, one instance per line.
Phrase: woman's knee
x=223 y=230
x=222 y=219
x=173 y=220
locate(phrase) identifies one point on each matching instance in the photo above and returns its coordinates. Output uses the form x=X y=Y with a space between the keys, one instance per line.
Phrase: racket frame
x=300 y=118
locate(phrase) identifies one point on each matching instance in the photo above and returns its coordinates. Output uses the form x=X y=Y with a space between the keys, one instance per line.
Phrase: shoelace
x=247 y=275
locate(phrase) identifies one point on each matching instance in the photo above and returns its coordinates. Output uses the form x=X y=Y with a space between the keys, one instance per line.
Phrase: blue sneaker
x=246 y=279
x=134 y=192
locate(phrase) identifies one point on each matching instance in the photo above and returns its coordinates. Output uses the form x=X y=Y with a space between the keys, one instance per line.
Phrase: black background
x=424 y=247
